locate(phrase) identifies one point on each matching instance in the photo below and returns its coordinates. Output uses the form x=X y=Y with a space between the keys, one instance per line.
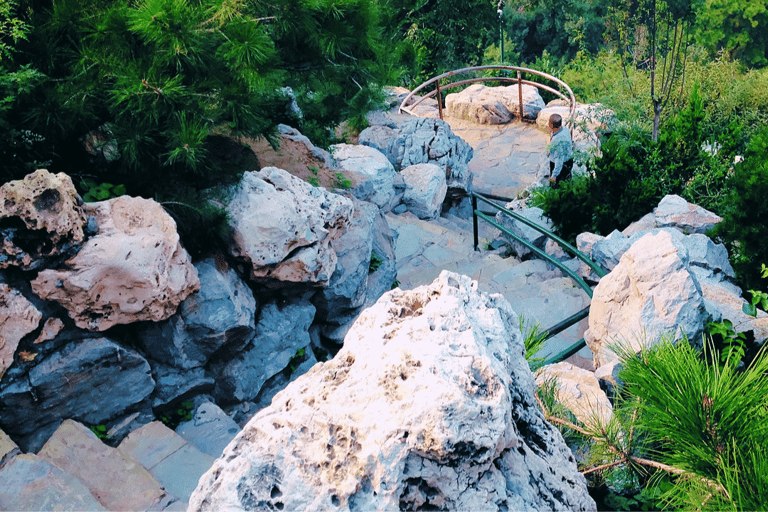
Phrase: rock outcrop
x=41 y=217
x=374 y=166
x=134 y=269
x=430 y=404
x=493 y=105
x=425 y=190
x=282 y=228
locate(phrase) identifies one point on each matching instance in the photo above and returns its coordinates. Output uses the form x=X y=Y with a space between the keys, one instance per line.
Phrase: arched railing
x=406 y=107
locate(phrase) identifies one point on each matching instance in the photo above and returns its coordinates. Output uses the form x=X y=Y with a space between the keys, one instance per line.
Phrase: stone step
x=117 y=481
x=210 y=430
x=175 y=463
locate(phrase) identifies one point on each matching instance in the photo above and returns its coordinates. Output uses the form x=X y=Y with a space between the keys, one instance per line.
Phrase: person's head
x=555 y=122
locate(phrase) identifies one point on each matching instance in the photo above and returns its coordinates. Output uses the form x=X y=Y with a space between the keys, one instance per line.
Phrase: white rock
x=425 y=189
x=578 y=390
x=429 y=404
x=372 y=163
x=479 y=104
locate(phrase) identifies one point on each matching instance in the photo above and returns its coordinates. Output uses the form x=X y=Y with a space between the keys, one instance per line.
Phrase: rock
x=173 y=383
x=479 y=104
x=493 y=105
x=296 y=136
x=430 y=404
x=371 y=163
x=282 y=228
x=382 y=279
x=524 y=231
x=649 y=293
x=282 y=330
x=134 y=269
x=221 y=316
x=588 y=123
x=8 y=449
x=425 y=189
x=51 y=328
x=578 y=390
x=674 y=211
x=18 y=317
x=210 y=430
x=607 y=251
x=173 y=462
x=118 y=482
x=41 y=217
x=347 y=287
x=33 y=483
x=92 y=381
x=406 y=140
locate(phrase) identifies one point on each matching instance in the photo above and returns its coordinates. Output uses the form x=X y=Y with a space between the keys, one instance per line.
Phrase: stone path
x=506 y=161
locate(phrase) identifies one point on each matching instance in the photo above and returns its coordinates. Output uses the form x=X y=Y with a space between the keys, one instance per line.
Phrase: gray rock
x=92 y=381
x=221 y=316
x=429 y=404
x=425 y=189
x=523 y=230
x=371 y=163
x=494 y=105
x=172 y=383
x=210 y=430
x=281 y=331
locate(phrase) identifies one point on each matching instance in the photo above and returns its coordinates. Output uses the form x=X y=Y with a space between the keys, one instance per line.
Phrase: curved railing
x=561 y=326
x=406 y=107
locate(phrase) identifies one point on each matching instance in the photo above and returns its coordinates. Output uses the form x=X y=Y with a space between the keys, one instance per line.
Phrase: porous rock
x=429 y=405
x=650 y=292
x=425 y=189
x=134 y=269
x=18 y=317
x=282 y=227
x=374 y=165
x=40 y=218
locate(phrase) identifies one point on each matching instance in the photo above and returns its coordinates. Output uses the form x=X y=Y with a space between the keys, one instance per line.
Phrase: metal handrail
x=439 y=88
x=561 y=326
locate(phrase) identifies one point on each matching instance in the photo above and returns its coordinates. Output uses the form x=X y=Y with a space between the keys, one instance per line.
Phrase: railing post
x=474 y=219
x=520 y=92
x=439 y=100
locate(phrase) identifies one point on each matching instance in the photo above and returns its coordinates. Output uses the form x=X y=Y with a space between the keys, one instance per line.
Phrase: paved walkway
x=506 y=161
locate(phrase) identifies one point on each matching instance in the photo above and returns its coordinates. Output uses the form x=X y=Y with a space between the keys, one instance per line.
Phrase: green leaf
x=749 y=309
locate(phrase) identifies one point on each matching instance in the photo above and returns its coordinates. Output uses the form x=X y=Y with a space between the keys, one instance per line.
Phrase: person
x=560 y=151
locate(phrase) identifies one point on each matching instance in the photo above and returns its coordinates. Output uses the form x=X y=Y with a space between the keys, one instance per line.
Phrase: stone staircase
x=153 y=469
x=538 y=291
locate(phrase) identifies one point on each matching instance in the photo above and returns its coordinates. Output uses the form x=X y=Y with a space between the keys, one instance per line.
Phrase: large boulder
x=429 y=405
x=91 y=380
x=282 y=228
x=374 y=166
x=220 y=316
x=281 y=332
x=134 y=269
x=493 y=105
x=674 y=211
x=18 y=317
x=407 y=140
x=425 y=189
x=41 y=217
x=650 y=292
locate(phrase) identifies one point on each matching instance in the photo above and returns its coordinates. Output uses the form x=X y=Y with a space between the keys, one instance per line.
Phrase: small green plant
x=376 y=262
x=93 y=191
x=758 y=298
x=313 y=169
x=733 y=344
x=342 y=181
x=296 y=360
x=533 y=339
x=395 y=284
x=100 y=431
x=312 y=180
x=182 y=413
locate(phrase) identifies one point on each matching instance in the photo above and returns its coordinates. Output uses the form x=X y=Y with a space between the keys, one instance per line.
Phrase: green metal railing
x=561 y=326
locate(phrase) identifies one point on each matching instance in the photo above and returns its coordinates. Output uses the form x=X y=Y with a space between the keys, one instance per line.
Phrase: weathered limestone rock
x=425 y=189
x=650 y=292
x=372 y=163
x=117 y=481
x=40 y=217
x=92 y=380
x=406 y=140
x=221 y=315
x=281 y=331
x=579 y=390
x=674 y=211
x=33 y=483
x=523 y=230
x=282 y=227
x=493 y=105
x=18 y=317
x=430 y=404
x=134 y=269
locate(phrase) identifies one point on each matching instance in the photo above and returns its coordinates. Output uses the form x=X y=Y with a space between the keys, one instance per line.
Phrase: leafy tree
x=735 y=28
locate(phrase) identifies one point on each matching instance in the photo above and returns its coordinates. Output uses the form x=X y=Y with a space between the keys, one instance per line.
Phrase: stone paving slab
x=32 y=483
x=118 y=482
x=210 y=430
